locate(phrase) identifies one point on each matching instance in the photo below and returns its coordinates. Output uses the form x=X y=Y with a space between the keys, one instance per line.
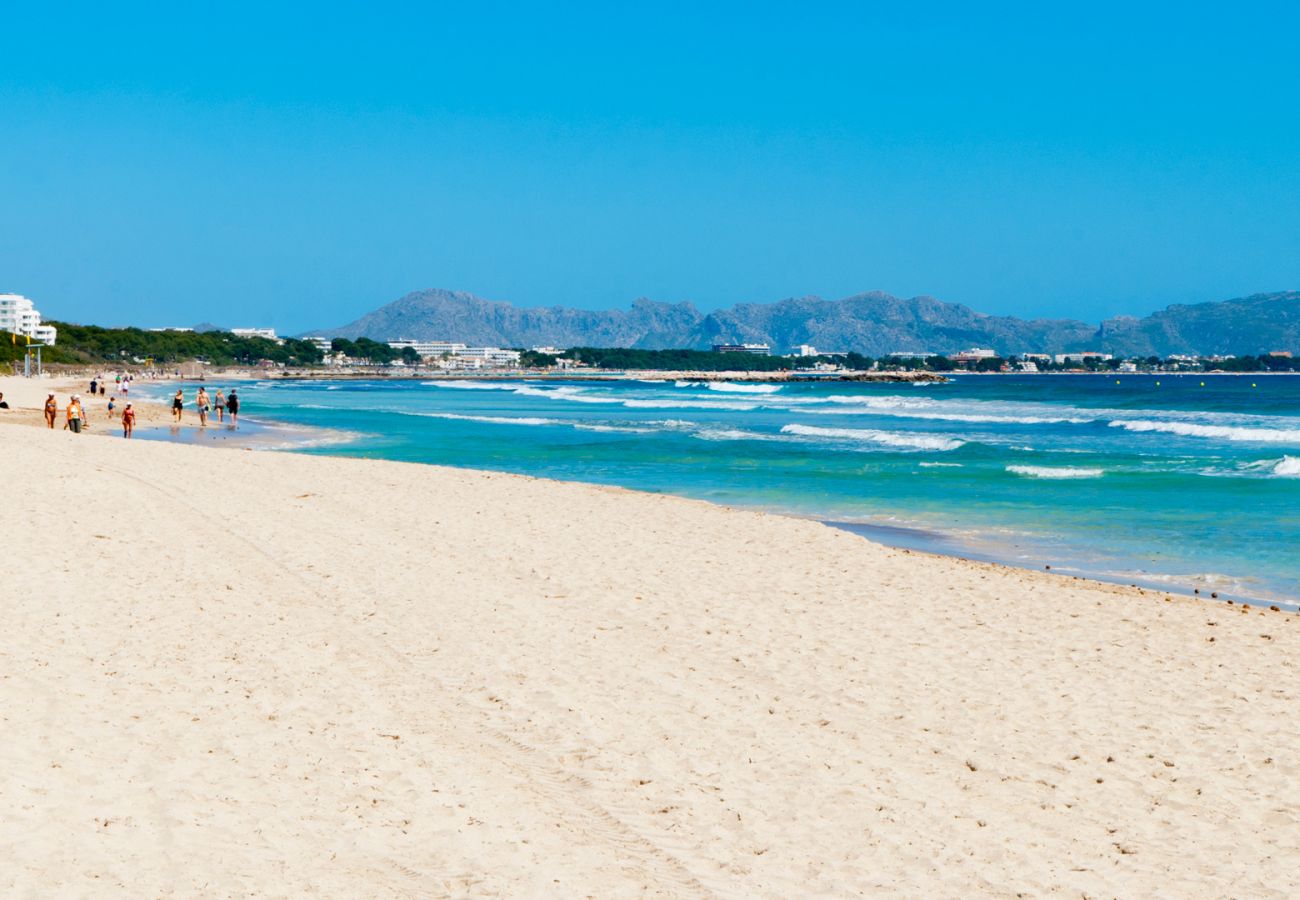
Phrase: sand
x=233 y=673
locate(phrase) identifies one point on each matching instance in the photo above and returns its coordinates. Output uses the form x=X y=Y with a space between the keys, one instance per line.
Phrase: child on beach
x=51 y=410
x=128 y=421
x=178 y=405
x=110 y=407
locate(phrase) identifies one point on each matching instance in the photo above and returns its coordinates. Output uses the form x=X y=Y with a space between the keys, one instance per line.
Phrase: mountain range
x=873 y=323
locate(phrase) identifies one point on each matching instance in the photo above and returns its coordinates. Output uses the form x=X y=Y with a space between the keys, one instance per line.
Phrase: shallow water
x=1190 y=481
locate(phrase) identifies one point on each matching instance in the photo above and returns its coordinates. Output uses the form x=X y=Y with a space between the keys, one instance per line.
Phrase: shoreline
x=268 y=434
x=495 y=683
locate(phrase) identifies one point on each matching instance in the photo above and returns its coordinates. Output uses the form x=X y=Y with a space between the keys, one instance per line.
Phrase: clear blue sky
x=296 y=166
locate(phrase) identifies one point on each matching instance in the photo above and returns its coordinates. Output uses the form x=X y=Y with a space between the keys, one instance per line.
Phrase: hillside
x=872 y=323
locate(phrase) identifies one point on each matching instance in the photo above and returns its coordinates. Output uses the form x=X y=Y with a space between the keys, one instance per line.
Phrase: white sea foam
x=907 y=441
x=471 y=385
x=1288 y=467
x=564 y=392
x=733 y=434
x=616 y=429
x=1226 y=432
x=733 y=388
x=940 y=465
x=687 y=404
x=1050 y=472
x=976 y=418
x=495 y=420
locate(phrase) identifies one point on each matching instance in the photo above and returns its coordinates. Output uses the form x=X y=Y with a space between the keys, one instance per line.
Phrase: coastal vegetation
x=93 y=344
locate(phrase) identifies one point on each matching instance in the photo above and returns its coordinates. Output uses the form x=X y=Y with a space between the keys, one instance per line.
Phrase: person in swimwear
x=178 y=405
x=51 y=410
x=128 y=421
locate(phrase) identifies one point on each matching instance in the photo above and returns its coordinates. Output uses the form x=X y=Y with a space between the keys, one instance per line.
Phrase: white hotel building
x=492 y=356
x=18 y=315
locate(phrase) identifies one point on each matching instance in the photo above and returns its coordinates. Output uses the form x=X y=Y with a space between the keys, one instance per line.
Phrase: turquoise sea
x=1189 y=482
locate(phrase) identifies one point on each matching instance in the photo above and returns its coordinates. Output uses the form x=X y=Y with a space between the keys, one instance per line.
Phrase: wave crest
x=884 y=438
x=1058 y=472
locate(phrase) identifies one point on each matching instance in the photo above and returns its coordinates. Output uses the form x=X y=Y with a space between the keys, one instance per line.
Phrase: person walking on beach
x=110 y=407
x=220 y=404
x=74 y=414
x=94 y=386
x=232 y=405
x=201 y=401
x=178 y=405
x=128 y=421
x=51 y=410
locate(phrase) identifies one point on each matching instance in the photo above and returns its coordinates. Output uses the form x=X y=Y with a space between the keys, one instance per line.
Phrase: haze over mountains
x=874 y=324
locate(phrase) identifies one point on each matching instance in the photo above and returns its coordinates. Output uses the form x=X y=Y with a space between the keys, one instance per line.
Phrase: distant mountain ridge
x=873 y=323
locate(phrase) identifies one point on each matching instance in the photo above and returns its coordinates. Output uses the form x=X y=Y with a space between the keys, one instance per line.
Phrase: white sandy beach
x=233 y=673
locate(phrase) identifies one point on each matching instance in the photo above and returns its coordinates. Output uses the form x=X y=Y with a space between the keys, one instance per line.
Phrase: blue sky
x=298 y=166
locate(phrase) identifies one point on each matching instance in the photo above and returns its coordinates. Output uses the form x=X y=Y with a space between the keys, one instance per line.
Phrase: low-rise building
x=268 y=333
x=493 y=356
x=756 y=349
x=1063 y=358
x=974 y=354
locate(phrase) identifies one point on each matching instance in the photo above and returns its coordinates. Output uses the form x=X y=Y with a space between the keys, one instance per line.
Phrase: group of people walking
x=74 y=415
x=219 y=403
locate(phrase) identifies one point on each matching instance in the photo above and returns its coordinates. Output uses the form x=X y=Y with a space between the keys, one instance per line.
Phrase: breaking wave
x=733 y=388
x=1226 y=432
x=874 y=436
x=1050 y=472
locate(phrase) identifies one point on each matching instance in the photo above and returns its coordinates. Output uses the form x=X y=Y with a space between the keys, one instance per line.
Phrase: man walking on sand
x=232 y=407
x=51 y=410
x=128 y=421
x=201 y=401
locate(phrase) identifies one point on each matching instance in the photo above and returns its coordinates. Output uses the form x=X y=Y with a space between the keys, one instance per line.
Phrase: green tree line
x=93 y=344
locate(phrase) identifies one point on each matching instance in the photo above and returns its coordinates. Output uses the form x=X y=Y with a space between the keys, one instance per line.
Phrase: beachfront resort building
x=476 y=356
x=268 y=333
x=19 y=316
x=974 y=354
x=756 y=349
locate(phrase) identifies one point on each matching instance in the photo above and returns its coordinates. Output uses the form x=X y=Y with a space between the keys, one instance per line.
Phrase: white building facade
x=19 y=316
x=489 y=356
x=268 y=333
